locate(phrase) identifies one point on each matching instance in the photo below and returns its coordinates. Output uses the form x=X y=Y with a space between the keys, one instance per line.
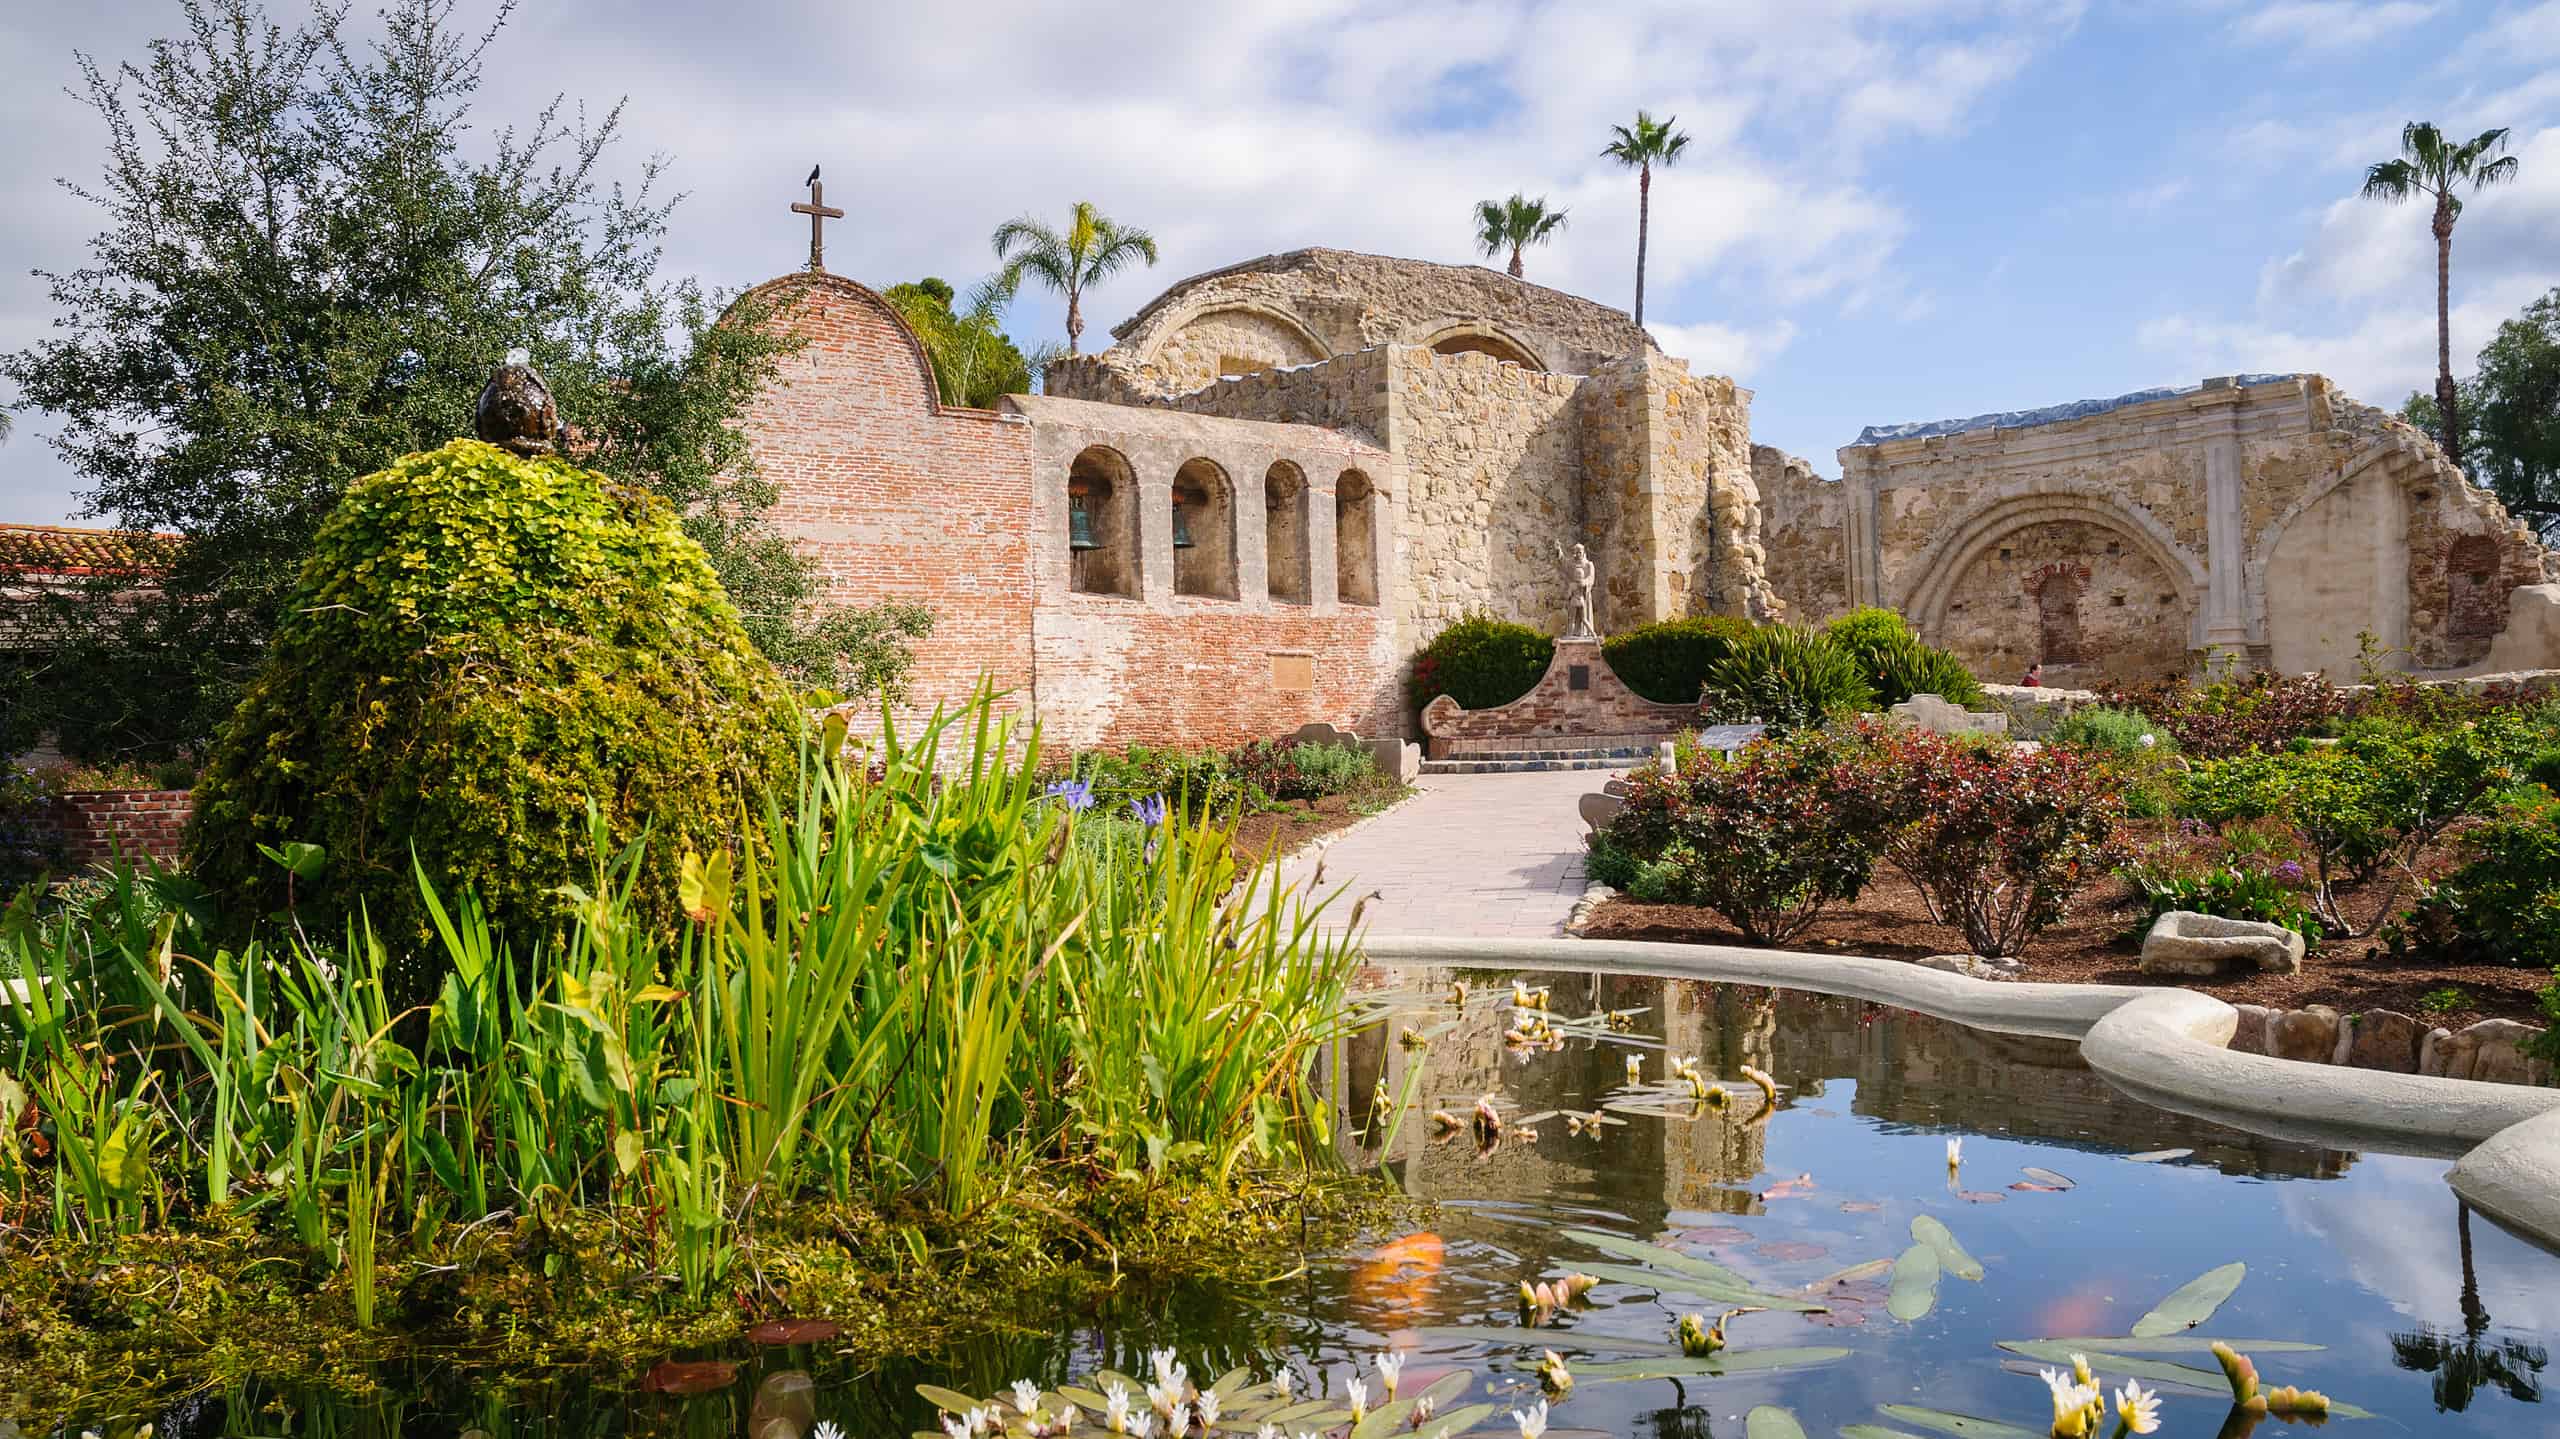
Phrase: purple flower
x=1076 y=793
x=2289 y=870
x=1149 y=811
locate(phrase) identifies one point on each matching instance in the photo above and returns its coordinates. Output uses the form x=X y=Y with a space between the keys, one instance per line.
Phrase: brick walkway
x=1476 y=854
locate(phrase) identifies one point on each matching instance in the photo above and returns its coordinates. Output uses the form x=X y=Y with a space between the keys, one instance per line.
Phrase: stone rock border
x=1594 y=895
x=2170 y=1048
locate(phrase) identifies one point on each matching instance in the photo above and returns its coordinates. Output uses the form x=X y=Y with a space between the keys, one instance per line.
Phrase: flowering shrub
x=1765 y=840
x=2371 y=802
x=1997 y=838
x=1785 y=677
x=2503 y=905
x=2234 y=716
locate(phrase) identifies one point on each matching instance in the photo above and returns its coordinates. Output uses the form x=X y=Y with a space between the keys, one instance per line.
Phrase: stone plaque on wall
x=1293 y=673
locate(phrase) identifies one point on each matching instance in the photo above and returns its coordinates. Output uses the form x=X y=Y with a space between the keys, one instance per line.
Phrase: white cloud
x=1713 y=349
x=2330 y=24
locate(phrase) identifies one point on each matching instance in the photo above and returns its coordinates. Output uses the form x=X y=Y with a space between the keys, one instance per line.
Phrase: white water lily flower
x=1635 y=1069
x=1270 y=1431
x=1026 y=1397
x=2137 y=1408
x=1532 y=1422
x=1390 y=1369
x=1178 y=1423
x=1142 y=1425
x=981 y=1420
x=1358 y=1394
x=1115 y=1407
x=1162 y=1397
x=2073 y=1403
x=1955 y=1151
x=1168 y=1369
x=1282 y=1381
x=826 y=1430
x=1208 y=1404
x=1422 y=1408
x=952 y=1425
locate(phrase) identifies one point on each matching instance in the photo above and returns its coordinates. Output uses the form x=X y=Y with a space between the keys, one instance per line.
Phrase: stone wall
x=1308 y=304
x=1491 y=459
x=1803 y=519
x=2268 y=519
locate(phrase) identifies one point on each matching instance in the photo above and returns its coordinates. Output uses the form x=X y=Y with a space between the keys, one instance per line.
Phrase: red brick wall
x=1118 y=672
x=894 y=496
x=98 y=825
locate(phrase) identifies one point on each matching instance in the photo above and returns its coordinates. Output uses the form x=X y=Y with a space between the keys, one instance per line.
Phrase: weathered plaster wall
x=2270 y=521
x=1162 y=667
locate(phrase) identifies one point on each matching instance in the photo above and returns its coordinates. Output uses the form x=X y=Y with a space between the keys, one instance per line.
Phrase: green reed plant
x=908 y=982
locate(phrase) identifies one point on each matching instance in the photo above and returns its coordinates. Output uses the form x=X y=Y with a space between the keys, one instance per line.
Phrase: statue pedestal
x=1579 y=703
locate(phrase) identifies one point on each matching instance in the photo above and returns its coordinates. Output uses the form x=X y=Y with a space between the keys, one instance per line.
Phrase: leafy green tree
x=2509 y=411
x=974 y=362
x=313 y=250
x=1514 y=225
x=1091 y=249
x=1640 y=147
x=2434 y=167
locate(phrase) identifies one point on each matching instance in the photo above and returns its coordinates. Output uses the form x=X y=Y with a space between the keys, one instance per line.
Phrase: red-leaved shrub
x=1997 y=838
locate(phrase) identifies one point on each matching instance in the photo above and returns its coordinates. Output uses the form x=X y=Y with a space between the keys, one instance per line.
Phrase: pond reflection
x=2083 y=1207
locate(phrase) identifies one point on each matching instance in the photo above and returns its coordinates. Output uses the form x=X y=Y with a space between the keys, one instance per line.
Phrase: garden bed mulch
x=1276 y=832
x=2091 y=947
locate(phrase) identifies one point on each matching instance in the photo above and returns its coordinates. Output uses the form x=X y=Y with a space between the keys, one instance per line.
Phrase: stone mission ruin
x=1285 y=476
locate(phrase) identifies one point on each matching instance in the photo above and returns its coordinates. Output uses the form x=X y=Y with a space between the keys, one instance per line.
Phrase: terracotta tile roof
x=63 y=550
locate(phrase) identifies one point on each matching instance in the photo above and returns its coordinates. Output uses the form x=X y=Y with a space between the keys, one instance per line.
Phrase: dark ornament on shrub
x=515 y=410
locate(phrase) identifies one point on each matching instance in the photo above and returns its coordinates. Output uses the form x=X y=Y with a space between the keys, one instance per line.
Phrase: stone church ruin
x=1284 y=477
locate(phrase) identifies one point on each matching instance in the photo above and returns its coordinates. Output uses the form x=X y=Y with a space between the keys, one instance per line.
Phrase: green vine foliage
x=479 y=648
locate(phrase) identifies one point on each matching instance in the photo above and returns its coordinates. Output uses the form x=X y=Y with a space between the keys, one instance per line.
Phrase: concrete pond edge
x=2166 y=1047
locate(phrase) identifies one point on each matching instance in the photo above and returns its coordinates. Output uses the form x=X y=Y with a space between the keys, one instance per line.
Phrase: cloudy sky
x=1890 y=210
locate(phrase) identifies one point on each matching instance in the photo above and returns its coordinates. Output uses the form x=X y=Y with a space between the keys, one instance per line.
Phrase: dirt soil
x=1889 y=921
x=1273 y=833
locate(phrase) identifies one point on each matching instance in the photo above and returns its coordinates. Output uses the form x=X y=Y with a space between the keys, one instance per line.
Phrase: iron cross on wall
x=815 y=207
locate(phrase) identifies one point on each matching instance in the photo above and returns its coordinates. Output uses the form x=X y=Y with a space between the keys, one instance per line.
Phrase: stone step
x=1540 y=764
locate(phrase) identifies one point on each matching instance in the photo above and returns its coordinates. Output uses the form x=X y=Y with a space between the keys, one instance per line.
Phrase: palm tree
x=1089 y=251
x=2432 y=166
x=1515 y=224
x=1649 y=142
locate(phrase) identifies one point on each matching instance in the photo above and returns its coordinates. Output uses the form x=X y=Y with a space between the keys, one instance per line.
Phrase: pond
x=2083 y=1210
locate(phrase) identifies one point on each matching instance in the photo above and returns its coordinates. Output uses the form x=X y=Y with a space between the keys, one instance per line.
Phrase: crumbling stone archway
x=1480 y=337
x=2034 y=577
x=1355 y=539
x=1204 y=530
x=1284 y=529
x=1102 y=523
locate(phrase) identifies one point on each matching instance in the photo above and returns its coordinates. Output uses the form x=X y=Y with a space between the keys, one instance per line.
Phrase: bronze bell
x=1181 y=525
x=515 y=410
x=1080 y=524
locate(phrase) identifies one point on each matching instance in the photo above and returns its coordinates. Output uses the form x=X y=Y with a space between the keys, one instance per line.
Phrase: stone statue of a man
x=1581 y=576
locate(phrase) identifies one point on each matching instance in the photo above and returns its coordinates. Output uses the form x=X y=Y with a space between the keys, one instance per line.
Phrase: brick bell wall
x=895 y=496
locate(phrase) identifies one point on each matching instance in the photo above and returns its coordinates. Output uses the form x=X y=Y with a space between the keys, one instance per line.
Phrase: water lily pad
x=1981 y=1196
x=2192 y=1303
x=794 y=1331
x=2049 y=1178
x=2163 y=1371
x=1790 y=1251
x=1691 y=1284
x=2158 y=1156
x=1965 y=1426
x=688 y=1376
x=952 y=1401
x=1854 y=1431
x=1915 y=1284
x=1859 y=1206
x=1731 y=1361
x=1456 y=1421
x=2031 y=1187
x=1657 y=1257
x=1715 y=1234
x=1854 y=1274
x=1839 y=1316
x=1951 y=1256
x=1768 y=1421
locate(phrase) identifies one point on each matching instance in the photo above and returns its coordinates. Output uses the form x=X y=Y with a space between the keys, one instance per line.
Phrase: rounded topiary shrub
x=1667 y=660
x=1481 y=662
x=481 y=646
